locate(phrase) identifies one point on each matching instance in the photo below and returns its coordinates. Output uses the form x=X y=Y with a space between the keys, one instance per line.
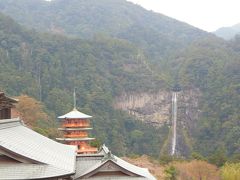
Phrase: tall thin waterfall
x=174 y=122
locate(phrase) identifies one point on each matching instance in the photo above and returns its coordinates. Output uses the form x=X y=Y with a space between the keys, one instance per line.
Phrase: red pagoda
x=75 y=126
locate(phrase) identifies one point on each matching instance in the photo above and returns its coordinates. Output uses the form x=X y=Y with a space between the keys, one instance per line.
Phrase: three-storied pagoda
x=75 y=126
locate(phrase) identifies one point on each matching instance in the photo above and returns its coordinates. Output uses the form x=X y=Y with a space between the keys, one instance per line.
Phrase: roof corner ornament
x=109 y=156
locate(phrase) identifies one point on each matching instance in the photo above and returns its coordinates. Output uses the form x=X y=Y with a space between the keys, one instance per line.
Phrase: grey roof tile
x=23 y=141
x=29 y=171
x=53 y=159
x=90 y=163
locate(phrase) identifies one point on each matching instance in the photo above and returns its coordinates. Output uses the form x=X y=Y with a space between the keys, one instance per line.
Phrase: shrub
x=230 y=171
x=171 y=173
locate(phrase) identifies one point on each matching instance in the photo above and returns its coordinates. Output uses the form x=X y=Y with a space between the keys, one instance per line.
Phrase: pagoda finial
x=74 y=99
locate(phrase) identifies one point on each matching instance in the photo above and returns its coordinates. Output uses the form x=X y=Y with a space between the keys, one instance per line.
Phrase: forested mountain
x=157 y=34
x=212 y=65
x=105 y=48
x=48 y=67
x=228 y=32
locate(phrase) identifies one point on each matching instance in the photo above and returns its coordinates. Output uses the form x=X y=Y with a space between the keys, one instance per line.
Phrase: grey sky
x=208 y=15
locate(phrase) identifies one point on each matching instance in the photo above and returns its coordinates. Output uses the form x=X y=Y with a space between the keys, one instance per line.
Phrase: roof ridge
x=3 y=121
x=9 y=123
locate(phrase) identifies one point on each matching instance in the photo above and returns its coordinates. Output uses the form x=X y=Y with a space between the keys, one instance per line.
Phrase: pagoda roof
x=36 y=156
x=74 y=129
x=75 y=139
x=74 y=114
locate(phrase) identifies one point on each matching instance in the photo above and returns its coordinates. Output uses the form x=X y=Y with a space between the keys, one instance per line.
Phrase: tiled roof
x=75 y=114
x=48 y=158
x=85 y=163
x=8 y=123
x=88 y=164
x=116 y=177
x=29 y=171
x=52 y=158
x=143 y=172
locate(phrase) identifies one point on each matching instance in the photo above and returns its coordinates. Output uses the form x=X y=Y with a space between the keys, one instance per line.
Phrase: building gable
x=108 y=168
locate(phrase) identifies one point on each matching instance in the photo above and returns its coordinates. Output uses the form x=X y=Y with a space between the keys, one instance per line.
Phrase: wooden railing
x=76 y=125
x=87 y=150
x=75 y=135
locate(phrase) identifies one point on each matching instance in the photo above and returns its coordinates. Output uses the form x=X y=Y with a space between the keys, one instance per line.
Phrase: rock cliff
x=155 y=108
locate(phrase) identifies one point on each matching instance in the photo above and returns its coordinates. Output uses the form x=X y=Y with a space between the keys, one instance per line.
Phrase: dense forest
x=107 y=47
x=48 y=68
x=156 y=34
x=212 y=66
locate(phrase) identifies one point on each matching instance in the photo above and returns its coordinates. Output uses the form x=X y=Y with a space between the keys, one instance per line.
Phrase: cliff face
x=151 y=108
x=188 y=108
x=156 y=109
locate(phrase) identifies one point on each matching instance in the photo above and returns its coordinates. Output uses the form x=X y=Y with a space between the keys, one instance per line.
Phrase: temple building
x=105 y=166
x=6 y=105
x=25 y=154
x=75 y=126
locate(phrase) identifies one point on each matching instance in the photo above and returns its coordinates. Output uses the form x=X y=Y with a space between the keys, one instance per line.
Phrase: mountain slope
x=113 y=60
x=228 y=33
x=48 y=67
x=212 y=66
x=157 y=34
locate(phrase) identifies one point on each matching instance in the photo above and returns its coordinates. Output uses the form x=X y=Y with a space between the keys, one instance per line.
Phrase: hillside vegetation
x=212 y=65
x=156 y=34
x=108 y=47
x=180 y=170
x=49 y=67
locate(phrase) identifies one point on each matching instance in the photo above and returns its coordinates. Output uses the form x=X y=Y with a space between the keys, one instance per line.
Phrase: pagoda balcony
x=75 y=135
x=72 y=125
x=87 y=150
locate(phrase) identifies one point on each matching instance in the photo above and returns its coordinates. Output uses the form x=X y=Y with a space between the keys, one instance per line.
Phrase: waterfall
x=174 y=122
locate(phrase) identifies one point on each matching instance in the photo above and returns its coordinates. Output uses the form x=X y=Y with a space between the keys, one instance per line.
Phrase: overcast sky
x=208 y=15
